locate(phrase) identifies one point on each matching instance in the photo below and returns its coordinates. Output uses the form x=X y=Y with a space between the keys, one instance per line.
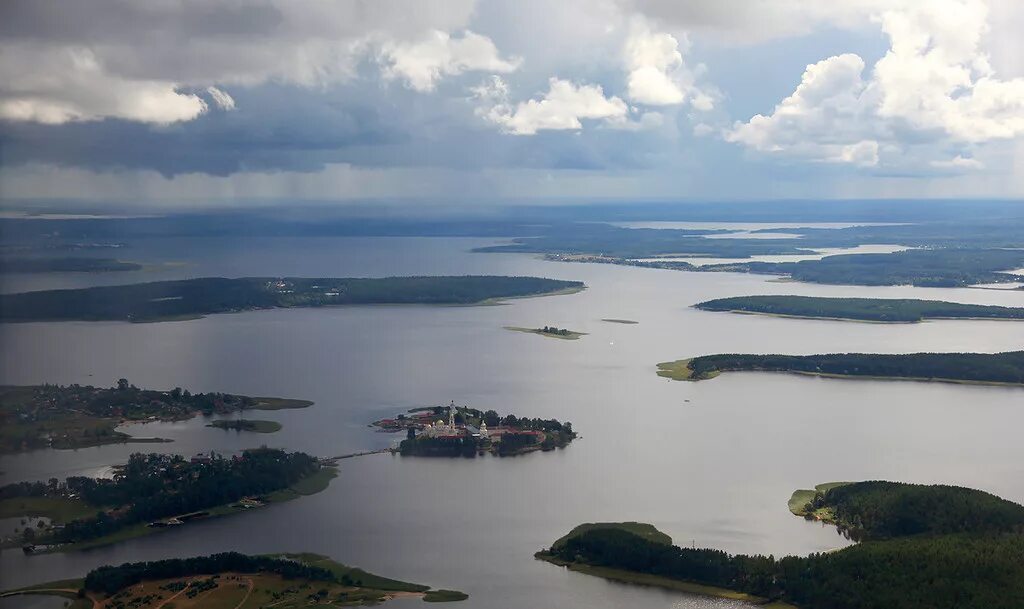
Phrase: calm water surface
x=711 y=463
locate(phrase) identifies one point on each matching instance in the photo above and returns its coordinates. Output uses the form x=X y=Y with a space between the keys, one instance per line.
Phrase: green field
x=57 y=509
x=801 y=498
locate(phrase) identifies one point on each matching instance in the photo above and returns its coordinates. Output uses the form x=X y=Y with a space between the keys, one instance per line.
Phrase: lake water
x=710 y=463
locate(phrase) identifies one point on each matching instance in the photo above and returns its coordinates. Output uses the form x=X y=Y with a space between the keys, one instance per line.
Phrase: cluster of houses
x=424 y=424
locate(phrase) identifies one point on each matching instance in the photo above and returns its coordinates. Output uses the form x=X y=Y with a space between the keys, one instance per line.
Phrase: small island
x=79 y=416
x=154 y=492
x=253 y=425
x=956 y=548
x=971 y=368
x=193 y=298
x=454 y=431
x=233 y=580
x=883 y=310
x=619 y=321
x=550 y=331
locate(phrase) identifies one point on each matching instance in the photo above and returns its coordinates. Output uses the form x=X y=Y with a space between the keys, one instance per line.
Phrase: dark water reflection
x=710 y=463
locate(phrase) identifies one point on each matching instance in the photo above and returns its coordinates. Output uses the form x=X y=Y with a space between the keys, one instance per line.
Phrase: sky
x=208 y=103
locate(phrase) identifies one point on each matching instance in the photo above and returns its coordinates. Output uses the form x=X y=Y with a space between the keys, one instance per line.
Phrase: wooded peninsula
x=894 y=310
x=153 y=492
x=230 y=579
x=923 y=547
x=191 y=298
x=981 y=368
x=77 y=416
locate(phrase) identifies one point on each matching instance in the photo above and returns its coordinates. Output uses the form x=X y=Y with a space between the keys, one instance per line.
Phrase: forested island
x=894 y=310
x=233 y=580
x=551 y=331
x=981 y=368
x=191 y=298
x=460 y=431
x=153 y=492
x=77 y=416
x=923 y=547
x=65 y=265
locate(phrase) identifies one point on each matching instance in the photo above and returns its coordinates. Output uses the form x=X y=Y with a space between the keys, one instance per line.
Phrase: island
x=78 y=416
x=952 y=547
x=551 y=331
x=620 y=321
x=973 y=368
x=154 y=492
x=193 y=298
x=253 y=425
x=454 y=431
x=885 y=310
x=233 y=580
x=65 y=265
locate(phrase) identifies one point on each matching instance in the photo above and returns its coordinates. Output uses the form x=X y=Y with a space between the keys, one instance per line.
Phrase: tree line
x=934 y=547
x=153 y=486
x=980 y=367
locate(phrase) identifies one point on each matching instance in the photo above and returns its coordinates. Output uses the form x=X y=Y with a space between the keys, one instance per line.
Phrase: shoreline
x=854 y=319
x=498 y=301
x=310 y=485
x=657 y=581
x=122 y=437
x=671 y=370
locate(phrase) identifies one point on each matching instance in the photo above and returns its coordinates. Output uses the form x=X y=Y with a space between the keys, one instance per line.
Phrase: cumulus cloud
x=934 y=83
x=221 y=98
x=54 y=86
x=562 y=107
x=68 y=61
x=423 y=62
x=657 y=74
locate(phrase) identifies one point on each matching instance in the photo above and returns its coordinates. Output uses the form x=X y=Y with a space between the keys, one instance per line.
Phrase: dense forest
x=195 y=297
x=877 y=510
x=974 y=367
x=153 y=486
x=73 y=416
x=930 y=564
x=110 y=579
x=865 y=309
